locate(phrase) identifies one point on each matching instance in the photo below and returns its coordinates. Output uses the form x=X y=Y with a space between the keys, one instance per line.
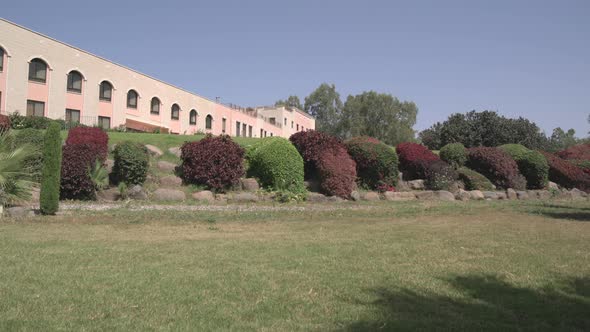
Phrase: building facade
x=44 y=77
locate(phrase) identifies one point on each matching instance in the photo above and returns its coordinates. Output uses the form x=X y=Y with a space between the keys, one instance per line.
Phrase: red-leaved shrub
x=4 y=123
x=90 y=135
x=566 y=174
x=77 y=160
x=576 y=152
x=376 y=162
x=414 y=160
x=215 y=161
x=497 y=166
x=326 y=160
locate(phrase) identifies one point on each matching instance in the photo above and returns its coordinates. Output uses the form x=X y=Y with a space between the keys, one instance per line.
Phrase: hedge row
x=414 y=159
x=376 y=163
x=531 y=164
x=566 y=174
x=497 y=166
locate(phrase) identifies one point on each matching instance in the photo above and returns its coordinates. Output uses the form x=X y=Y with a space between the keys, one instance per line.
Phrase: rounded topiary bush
x=376 y=162
x=454 y=154
x=473 y=180
x=131 y=163
x=326 y=160
x=90 y=135
x=276 y=164
x=497 y=166
x=77 y=160
x=566 y=174
x=439 y=175
x=532 y=164
x=215 y=161
x=414 y=159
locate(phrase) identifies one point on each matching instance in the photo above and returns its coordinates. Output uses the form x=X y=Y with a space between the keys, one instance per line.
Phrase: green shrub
x=532 y=164
x=131 y=163
x=376 y=162
x=455 y=154
x=34 y=162
x=50 y=180
x=473 y=180
x=277 y=165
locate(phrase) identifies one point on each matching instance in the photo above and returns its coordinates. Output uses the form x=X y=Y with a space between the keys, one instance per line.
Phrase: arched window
x=1 y=59
x=192 y=119
x=106 y=91
x=38 y=71
x=175 y=112
x=155 y=106
x=75 y=81
x=132 y=99
x=208 y=121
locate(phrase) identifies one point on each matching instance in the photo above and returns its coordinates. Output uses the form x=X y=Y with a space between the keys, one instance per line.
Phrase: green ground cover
x=375 y=266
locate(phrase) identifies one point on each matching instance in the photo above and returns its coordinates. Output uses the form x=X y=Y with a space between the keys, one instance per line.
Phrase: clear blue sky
x=529 y=58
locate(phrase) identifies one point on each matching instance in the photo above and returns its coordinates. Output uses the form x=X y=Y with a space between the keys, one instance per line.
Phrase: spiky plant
x=99 y=175
x=15 y=179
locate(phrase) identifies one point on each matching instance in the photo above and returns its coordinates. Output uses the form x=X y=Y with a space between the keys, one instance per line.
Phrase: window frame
x=175 y=109
x=192 y=114
x=72 y=88
x=2 y=52
x=70 y=110
x=34 y=103
x=152 y=104
x=209 y=122
x=103 y=118
x=101 y=91
x=130 y=106
x=33 y=64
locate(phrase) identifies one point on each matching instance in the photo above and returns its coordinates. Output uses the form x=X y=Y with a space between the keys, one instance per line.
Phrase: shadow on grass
x=487 y=304
x=575 y=212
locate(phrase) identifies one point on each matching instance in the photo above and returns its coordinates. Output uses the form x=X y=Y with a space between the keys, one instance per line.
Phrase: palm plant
x=99 y=175
x=16 y=180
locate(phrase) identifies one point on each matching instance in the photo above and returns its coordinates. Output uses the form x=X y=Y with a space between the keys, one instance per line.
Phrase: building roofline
x=288 y=108
x=110 y=61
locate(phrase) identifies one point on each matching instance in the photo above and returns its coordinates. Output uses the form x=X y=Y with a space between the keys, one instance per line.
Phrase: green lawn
x=493 y=266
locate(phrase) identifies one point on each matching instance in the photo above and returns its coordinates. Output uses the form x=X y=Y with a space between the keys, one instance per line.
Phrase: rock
x=312 y=185
x=462 y=195
x=244 y=197
x=490 y=195
x=108 y=195
x=165 y=194
x=443 y=195
x=335 y=199
x=249 y=184
x=544 y=194
x=511 y=194
x=552 y=186
x=205 y=195
x=222 y=198
x=170 y=181
x=399 y=196
x=35 y=195
x=154 y=150
x=522 y=195
x=108 y=165
x=370 y=196
x=501 y=195
x=533 y=194
x=456 y=186
x=19 y=212
x=355 y=196
x=136 y=192
x=416 y=184
x=316 y=197
x=578 y=193
x=403 y=186
x=175 y=151
x=425 y=195
x=476 y=195
x=166 y=166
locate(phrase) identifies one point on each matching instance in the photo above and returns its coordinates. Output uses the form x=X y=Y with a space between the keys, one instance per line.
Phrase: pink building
x=44 y=77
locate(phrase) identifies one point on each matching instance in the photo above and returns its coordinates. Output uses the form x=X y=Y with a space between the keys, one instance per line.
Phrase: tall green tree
x=291 y=101
x=561 y=139
x=51 y=173
x=378 y=115
x=325 y=105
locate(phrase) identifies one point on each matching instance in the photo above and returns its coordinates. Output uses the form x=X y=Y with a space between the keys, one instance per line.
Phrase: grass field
x=432 y=266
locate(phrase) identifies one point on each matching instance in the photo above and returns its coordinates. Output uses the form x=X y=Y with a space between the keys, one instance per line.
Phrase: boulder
x=443 y=195
x=552 y=186
x=205 y=196
x=511 y=193
x=316 y=197
x=35 y=195
x=533 y=194
x=522 y=195
x=399 y=196
x=544 y=194
x=154 y=150
x=335 y=199
x=244 y=197
x=108 y=165
x=166 y=166
x=490 y=195
x=425 y=195
x=462 y=195
x=19 y=212
x=221 y=198
x=170 y=181
x=136 y=192
x=165 y=194
x=416 y=184
x=370 y=196
x=355 y=196
x=476 y=195
x=312 y=185
x=249 y=184
x=403 y=186
x=108 y=195
x=578 y=193
x=501 y=195
x=175 y=151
